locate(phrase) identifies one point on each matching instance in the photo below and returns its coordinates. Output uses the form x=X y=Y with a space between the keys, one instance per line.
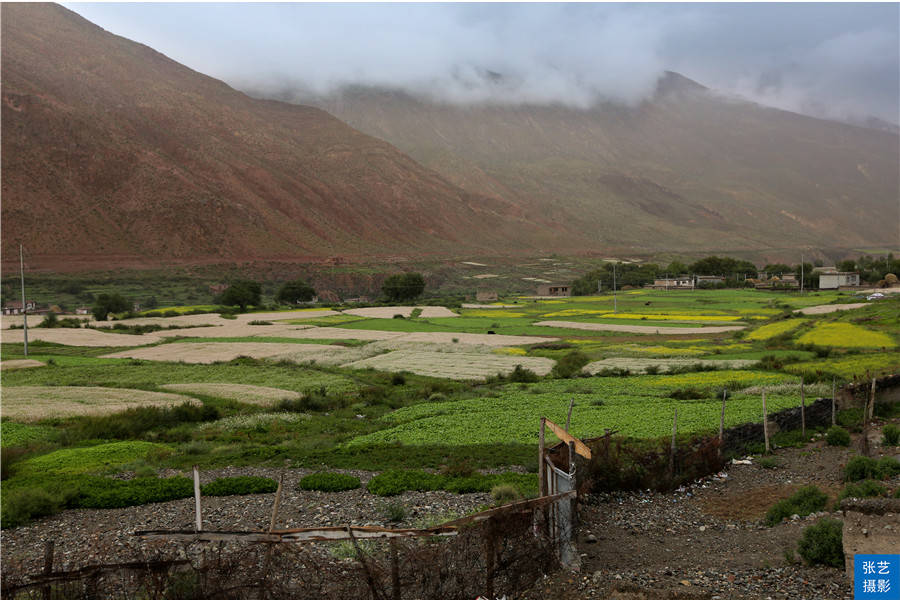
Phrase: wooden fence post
x=765 y=421
x=198 y=517
x=872 y=406
x=277 y=504
x=48 y=567
x=542 y=470
x=672 y=450
x=395 y=571
x=833 y=404
x=722 y=423
x=802 y=411
x=489 y=557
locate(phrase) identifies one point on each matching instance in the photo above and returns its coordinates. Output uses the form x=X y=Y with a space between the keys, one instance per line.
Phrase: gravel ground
x=90 y=536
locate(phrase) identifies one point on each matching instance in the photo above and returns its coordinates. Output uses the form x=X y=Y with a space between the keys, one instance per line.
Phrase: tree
x=295 y=291
x=109 y=303
x=403 y=286
x=241 y=293
x=676 y=267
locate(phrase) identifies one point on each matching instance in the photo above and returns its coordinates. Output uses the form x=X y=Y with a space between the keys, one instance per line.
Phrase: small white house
x=833 y=281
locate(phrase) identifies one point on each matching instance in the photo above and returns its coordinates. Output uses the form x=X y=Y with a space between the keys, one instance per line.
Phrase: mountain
x=113 y=154
x=686 y=169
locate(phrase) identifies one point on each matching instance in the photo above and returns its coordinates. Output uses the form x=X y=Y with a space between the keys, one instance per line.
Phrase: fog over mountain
x=838 y=61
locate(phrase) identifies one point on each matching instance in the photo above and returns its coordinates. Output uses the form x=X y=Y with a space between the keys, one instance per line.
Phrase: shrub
x=822 y=543
x=505 y=494
x=570 y=364
x=259 y=322
x=864 y=489
x=22 y=505
x=837 y=436
x=329 y=482
x=891 y=435
x=522 y=375
x=768 y=462
x=806 y=500
x=394 y=512
x=238 y=486
x=8 y=457
x=398 y=379
x=863 y=467
x=102 y=492
x=689 y=393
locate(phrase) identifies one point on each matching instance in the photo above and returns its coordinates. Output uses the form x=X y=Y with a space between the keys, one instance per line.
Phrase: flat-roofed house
x=838 y=279
x=554 y=289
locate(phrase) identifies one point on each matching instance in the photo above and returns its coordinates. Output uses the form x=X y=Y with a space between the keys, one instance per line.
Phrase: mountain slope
x=686 y=169
x=111 y=151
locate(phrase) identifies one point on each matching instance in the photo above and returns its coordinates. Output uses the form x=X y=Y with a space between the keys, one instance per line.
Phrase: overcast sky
x=831 y=60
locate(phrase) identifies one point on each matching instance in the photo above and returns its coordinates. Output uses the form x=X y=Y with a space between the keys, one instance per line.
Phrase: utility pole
x=24 y=305
x=801 y=272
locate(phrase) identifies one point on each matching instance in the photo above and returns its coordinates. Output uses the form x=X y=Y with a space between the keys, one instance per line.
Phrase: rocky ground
x=706 y=540
x=703 y=541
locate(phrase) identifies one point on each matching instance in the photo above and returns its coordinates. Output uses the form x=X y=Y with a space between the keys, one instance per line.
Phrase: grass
x=19 y=434
x=149 y=375
x=105 y=457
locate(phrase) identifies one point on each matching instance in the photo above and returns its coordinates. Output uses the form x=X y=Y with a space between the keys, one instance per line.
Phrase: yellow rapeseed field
x=777 y=328
x=846 y=335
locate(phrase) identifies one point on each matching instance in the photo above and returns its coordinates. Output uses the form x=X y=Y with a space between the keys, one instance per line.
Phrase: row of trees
x=735 y=272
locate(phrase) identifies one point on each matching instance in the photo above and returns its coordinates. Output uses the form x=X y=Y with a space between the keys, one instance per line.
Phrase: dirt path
x=824 y=309
x=640 y=328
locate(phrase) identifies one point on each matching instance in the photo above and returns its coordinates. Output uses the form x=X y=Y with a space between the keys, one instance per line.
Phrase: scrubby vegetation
x=329 y=482
x=822 y=543
x=804 y=501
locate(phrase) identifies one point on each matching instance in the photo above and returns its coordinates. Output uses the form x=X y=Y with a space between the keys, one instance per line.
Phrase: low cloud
x=831 y=60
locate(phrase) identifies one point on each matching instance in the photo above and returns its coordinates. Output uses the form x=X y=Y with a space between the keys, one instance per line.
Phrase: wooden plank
x=542 y=469
x=514 y=507
x=563 y=436
x=316 y=534
x=330 y=534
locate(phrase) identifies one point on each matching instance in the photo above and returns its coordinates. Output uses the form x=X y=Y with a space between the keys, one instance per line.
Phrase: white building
x=835 y=280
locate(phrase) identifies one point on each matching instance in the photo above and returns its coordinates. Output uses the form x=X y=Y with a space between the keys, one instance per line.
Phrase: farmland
x=367 y=389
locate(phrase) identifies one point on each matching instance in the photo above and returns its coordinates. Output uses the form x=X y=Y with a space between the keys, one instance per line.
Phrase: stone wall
x=871 y=526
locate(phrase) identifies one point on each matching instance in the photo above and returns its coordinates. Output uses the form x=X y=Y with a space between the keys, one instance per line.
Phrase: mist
x=831 y=60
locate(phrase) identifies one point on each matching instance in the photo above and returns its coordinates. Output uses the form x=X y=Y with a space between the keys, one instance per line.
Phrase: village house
x=15 y=308
x=554 y=289
x=709 y=280
x=486 y=296
x=680 y=282
x=832 y=280
x=82 y=310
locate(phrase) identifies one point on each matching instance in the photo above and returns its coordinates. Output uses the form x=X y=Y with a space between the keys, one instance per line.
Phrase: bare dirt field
x=452 y=365
x=26 y=363
x=824 y=309
x=388 y=312
x=80 y=337
x=248 y=394
x=210 y=352
x=640 y=328
x=33 y=403
x=479 y=339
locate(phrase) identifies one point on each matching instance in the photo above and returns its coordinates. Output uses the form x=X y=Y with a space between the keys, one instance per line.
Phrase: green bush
x=863 y=467
x=505 y=494
x=891 y=435
x=522 y=375
x=864 y=489
x=394 y=512
x=22 y=505
x=239 y=486
x=570 y=364
x=837 y=436
x=329 y=482
x=822 y=543
x=806 y=500
x=768 y=462
x=102 y=492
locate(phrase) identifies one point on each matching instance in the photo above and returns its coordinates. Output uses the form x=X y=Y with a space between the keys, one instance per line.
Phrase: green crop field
x=846 y=335
x=637 y=406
